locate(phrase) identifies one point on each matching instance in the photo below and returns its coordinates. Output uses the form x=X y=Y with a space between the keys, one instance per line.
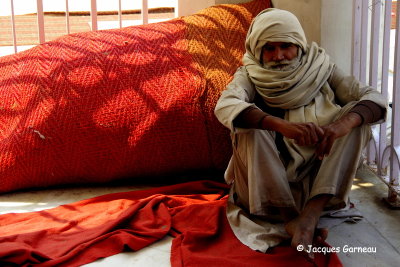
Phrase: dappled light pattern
x=216 y=37
x=134 y=102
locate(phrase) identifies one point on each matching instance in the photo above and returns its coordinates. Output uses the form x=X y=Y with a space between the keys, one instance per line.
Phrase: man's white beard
x=283 y=65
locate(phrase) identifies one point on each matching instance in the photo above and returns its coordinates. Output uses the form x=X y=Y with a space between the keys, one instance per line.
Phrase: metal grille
x=376 y=42
x=43 y=27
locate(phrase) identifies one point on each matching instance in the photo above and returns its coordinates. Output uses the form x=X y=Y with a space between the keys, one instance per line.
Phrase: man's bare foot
x=320 y=235
x=288 y=213
x=302 y=230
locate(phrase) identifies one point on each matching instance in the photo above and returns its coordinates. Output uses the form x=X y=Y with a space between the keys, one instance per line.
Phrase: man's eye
x=286 y=45
x=269 y=48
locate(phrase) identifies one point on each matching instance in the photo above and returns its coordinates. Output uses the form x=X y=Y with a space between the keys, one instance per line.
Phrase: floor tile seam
x=382 y=235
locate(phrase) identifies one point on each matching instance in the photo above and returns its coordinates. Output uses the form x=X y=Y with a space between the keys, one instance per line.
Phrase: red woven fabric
x=81 y=232
x=216 y=38
x=133 y=102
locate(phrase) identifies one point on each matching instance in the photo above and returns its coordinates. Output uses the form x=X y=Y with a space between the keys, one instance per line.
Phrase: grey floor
x=379 y=229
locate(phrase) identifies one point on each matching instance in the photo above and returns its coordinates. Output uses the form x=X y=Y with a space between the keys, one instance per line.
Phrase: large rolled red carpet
x=128 y=103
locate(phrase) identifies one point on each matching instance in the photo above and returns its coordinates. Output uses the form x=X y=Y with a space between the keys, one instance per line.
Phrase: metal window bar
x=40 y=19
x=67 y=17
x=93 y=18
x=374 y=47
x=93 y=14
x=382 y=142
x=145 y=12
x=356 y=48
x=386 y=155
x=120 y=14
x=375 y=9
x=14 y=34
x=395 y=134
x=364 y=42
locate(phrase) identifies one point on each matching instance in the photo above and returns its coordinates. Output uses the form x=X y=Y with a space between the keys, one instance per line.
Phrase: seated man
x=298 y=126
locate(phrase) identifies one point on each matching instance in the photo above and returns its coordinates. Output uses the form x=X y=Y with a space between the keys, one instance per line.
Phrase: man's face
x=279 y=54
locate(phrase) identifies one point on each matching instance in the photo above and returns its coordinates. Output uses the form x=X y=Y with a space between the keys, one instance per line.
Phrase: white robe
x=260 y=177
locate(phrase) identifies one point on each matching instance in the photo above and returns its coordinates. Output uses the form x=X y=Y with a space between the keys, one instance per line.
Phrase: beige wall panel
x=309 y=14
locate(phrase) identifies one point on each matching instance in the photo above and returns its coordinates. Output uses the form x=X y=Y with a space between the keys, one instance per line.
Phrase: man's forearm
x=255 y=118
x=351 y=120
x=250 y=118
x=368 y=111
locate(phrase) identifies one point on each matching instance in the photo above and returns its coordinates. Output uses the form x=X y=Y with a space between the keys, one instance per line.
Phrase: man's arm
x=369 y=111
x=237 y=97
x=348 y=89
x=303 y=133
x=364 y=112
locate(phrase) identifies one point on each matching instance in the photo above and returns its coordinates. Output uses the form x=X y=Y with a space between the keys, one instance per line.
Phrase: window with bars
x=26 y=23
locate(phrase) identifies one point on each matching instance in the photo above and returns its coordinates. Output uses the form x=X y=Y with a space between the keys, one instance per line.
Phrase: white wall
x=327 y=22
x=188 y=7
x=336 y=31
x=309 y=14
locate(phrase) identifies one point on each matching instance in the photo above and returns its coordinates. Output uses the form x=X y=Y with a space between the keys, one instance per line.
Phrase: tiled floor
x=380 y=228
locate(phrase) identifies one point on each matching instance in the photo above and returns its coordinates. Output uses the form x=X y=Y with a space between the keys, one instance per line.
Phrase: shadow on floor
x=378 y=231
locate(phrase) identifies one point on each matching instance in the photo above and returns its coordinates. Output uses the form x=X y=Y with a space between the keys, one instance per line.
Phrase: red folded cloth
x=81 y=232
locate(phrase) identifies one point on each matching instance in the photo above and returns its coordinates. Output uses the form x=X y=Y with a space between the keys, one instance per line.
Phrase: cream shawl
x=302 y=91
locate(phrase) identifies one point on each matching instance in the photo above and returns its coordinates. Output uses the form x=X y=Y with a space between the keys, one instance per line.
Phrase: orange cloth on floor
x=81 y=232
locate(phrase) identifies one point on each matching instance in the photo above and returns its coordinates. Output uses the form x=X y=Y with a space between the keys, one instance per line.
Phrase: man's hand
x=304 y=134
x=336 y=130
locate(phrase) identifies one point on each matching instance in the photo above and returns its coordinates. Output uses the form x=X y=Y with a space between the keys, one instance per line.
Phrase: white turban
x=289 y=88
x=274 y=25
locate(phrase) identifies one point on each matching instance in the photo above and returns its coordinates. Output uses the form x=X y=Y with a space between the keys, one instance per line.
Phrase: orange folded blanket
x=81 y=232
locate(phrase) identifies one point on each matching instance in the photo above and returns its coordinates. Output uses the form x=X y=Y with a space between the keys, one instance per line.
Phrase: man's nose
x=278 y=55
